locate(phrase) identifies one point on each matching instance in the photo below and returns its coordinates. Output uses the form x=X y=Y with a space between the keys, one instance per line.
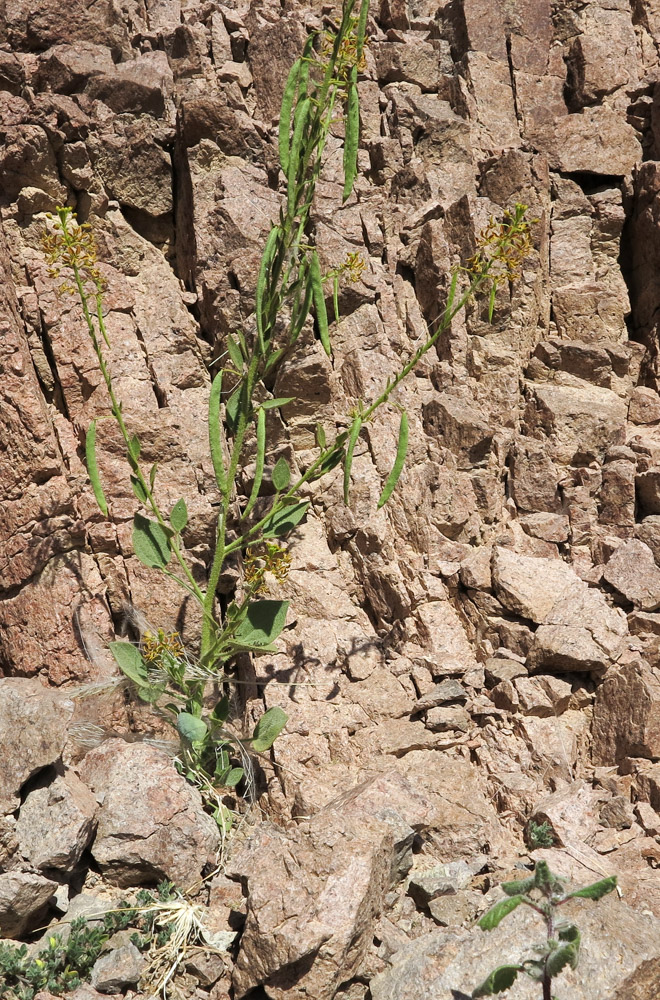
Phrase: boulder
x=632 y=570
x=68 y=808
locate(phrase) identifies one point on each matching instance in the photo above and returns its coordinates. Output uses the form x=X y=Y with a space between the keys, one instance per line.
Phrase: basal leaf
x=397 y=468
x=498 y=981
x=262 y=624
x=130 y=662
x=268 y=728
x=150 y=543
x=285 y=520
x=179 y=515
x=93 y=469
x=190 y=727
x=497 y=913
x=281 y=475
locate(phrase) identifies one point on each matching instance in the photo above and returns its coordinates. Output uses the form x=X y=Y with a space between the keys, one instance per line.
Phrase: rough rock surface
x=493 y=634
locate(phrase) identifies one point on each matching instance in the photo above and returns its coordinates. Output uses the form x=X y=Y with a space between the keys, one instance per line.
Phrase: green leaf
x=559 y=958
x=190 y=727
x=233 y=778
x=221 y=710
x=498 y=981
x=596 y=890
x=401 y=451
x=281 y=474
x=352 y=136
x=569 y=932
x=235 y=353
x=215 y=444
x=262 y=624
x=284 y=520
x=491 y=301
x=134 y=447
x=520 y=886
x=179 y=516
x=319 y=301
x=150 y=543
x=268 y=728
x=288 y=97
x=356 y=427
x=130 y=662
x=138 y=489
x=335 y=297
x=319 y=434
x=274 y=404
x=260 y=457
x=497 y=913
x=262 y=281
x=152 y=475
x=93 y=469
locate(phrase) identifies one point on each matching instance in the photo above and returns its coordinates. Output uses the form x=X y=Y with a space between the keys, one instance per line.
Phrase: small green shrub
x=64 y=965
x=539 y=835
x=544 y=893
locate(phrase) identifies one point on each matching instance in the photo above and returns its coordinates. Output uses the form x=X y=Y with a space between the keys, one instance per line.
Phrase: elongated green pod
x=215 y=444
x=352 y=137
x=93 y=469
x=266 y=261
x=306 y=306
x=401 y=452
x=288 y=98
x=299 y=125
x=362 y=28
x=354 y=434
x=259 y=468
x=319 y=301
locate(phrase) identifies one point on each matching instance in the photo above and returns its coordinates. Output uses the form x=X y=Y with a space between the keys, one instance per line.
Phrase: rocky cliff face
x=481 y=652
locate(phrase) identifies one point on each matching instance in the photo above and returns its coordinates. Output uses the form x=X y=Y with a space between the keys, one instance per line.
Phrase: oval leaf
x=596 y=890
x=268 y=728
x=497 y=913
x=401 y=451
x=130 y=662
x=93 y=469
x=285 y=520
x=281 y=474
x=499 y=980
x=233 y=778
x=179 y=516
x=138 y=489
x=190 y=727
x=150 y=543
x=262 y=624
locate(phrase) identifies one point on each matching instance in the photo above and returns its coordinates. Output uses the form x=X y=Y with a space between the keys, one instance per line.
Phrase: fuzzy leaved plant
x=545 y=894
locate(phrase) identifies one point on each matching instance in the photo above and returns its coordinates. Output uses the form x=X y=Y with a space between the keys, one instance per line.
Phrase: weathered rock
x=442 y=880
x=627 y=713
x=644 y=406
x=572 y=812
x=584 y=142
x=33 y=721
x=120 y=968
x=632 y=571
x=304 y=938
x=71 y=811
x=151 y=824
x=22 y=898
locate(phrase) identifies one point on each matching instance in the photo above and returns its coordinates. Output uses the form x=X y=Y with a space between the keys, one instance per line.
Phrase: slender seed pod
x=352 y=138
x=299 y=125
x=288 y=98
x=401 y=452
x=266 y=261
x=215 y=445
x=354 y=434
x=93 y=469
x=319 y=301
x=259 y=468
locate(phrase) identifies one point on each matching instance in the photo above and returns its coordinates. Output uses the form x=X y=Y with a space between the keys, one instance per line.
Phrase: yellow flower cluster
x=71 y=246
x=154 y=647
x=268 y=557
